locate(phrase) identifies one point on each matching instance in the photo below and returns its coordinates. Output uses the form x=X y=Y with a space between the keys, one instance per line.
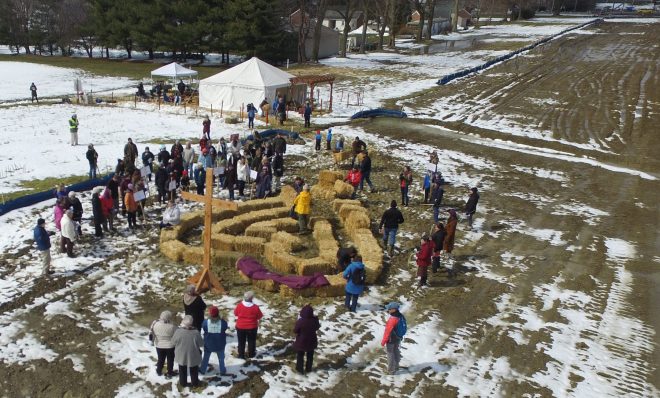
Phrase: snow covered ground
x=52 y=81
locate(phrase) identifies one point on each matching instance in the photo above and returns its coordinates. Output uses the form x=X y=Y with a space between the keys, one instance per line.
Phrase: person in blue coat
x=355 y=275
x=328 y=140
x=215 y=339
x=42 y=239
x=318 y=140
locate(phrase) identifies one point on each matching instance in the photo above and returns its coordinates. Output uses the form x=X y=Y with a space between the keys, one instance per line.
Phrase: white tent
x=248 y=82
x=173 y=71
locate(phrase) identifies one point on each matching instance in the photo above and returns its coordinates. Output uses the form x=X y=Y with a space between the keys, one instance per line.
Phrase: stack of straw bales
x=343 y=189
x=325 y=240
x=338 y=203
x=336 y=288
x=251 y=245
x=325 y=189
x=290 y=242
x=279 y=258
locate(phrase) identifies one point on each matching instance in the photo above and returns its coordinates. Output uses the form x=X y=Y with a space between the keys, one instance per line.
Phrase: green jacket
x=73 y=125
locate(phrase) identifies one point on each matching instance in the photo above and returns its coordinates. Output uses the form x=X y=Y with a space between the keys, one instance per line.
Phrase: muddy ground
x=541 y=305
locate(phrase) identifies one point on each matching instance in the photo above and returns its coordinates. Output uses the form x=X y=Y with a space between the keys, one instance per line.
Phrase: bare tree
x=22 y=12
x=347 y=14
x=431 y=13
x=382 y=11
x=304 y=22
x=320 y=15
x=418 y=5
x=365 y=19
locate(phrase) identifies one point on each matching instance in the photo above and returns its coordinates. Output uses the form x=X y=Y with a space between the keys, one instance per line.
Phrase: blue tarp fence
x=448 y=78
x=34 y=198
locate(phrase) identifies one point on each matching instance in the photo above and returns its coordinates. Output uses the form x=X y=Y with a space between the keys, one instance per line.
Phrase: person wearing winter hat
x=171 y=215
x=69 y=235
x=97 y=212
x=389 y=225
x=424 y=255
x=194 y=305
x=393 y=335
x=77 y=210
x=303 y=205
x=215 y=339
x=306 y=339
x=188 y=345
x=248 y=315
x=471 y=205
x=131 y=207
x=163 y=330
x=42 y=239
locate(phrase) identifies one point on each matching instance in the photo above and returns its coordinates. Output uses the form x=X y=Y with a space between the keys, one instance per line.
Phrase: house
x=464 y=19
x=329 y=43
x=334 y=19
x=441 y=21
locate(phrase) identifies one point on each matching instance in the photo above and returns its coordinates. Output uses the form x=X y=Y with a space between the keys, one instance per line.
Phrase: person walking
x=306 y=339
x=42 y=239
x=424 y=258
x=215 y=339
x=356 y=277
x=162 y=330
x=33 y=92
x=436 y=199
x=69 y=235
x=188 y=345
x=247 y=315
x=148 y=158
x=365 y=170
x=206 y=127
x=438 y=239
x=131 y=207
x=395 y=329
x=354 y=177
x=358 y=146
x=389 y=225
x=307 y=113
x=194 y=305
x=97 y=212
x=92 y=157
x=73 y=129
x=405 y=179
x=303 y=204
x=251 y=113
x=328 y=140
x=471 y=205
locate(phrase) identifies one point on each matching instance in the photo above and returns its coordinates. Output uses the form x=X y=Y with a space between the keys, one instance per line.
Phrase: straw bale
x=287 y=224
x=167 y=234
x=287 y=195
x=173 y=249
x=346 y=209
x=330 y=176
x=357 y=220
x=329 y=254
x=343 y=190
x=323 y=192
x=290 y=242
x=224 y=259
x=232 y=226
x=223 y=214
x=338 y=203
x=261 y=215
x=249 y=245
x=336 y=288
x=313 y=220
x=279 y=258
x=193 y=254
x=223 y=242
x=260 y=231
x=259 y=204
x=360 y=157
x=341 y=156
x=309 y=266
x=267 y=285
x=373 y=270
x=190 y=220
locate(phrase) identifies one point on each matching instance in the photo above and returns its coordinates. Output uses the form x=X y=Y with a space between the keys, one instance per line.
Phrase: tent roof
x=173 y=70
x=252 y=73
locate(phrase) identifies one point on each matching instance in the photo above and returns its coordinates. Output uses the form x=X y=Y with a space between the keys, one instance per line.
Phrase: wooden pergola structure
x=314 y=80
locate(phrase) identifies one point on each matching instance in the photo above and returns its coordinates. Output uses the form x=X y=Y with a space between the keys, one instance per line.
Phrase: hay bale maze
x=262 y=229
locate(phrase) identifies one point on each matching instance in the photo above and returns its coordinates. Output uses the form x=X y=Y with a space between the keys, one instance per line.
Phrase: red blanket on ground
x=254 y=270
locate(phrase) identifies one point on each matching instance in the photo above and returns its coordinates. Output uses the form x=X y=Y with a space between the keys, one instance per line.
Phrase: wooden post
x=205 y=280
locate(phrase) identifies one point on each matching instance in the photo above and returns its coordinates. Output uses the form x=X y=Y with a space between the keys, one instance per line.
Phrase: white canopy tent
x=248 y=82
x=173 y=71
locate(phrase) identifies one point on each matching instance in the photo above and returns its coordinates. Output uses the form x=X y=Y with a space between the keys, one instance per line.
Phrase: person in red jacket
x=391 y=340
x=354 y=176
x=424 y=258
x=248 y=315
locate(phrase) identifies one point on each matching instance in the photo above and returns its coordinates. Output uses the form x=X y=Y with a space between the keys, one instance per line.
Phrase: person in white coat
x=69 y=235
x=162 y=331
x=171 y=215
x=242 y=176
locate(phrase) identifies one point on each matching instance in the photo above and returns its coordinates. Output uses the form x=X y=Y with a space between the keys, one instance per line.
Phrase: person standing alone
x=92 y=157
x=471 y=205
x=33 y=91
x=306 y=339
x=73 y=129
x=389 y=224
x=395 y=329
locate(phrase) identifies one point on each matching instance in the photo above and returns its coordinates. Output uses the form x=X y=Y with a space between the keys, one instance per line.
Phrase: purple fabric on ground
x=254 y=270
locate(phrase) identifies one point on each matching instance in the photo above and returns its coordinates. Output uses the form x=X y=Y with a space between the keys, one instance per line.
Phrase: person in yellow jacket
x=303 y=205
x=131 y=207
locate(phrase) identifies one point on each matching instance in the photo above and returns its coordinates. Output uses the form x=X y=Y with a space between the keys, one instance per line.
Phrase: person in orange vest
x=131 y=207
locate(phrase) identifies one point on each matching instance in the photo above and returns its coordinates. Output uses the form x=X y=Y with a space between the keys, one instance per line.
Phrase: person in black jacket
x=97 y=212
x=278 y=170
x=389 y=224
x=77 y=210
x=438 y=238
x=194 y=305
x=344 y=257
x=92 y=158
x=279 y=144
x=436 y=198
x=113 y=186
x=471 y=205
x=161 y=183
x=365 y=170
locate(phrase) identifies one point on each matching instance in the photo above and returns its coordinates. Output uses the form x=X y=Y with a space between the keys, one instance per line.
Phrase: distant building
x=464 y=19
x=329 y=43
x=334 y=19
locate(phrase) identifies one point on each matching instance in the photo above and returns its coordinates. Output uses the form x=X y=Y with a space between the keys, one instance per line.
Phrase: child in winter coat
x=131 y=207
x=306 y=340
x=318 y=140
x=405 y=179
x=424 y=258
x=215 y=339
x=354 y=176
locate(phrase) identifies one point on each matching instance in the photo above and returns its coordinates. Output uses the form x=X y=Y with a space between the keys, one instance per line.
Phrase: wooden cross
x=205 y=279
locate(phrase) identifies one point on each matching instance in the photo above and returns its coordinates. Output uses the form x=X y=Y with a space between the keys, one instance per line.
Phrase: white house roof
x=358 y=31
x=173 y=70
x=251 y=73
